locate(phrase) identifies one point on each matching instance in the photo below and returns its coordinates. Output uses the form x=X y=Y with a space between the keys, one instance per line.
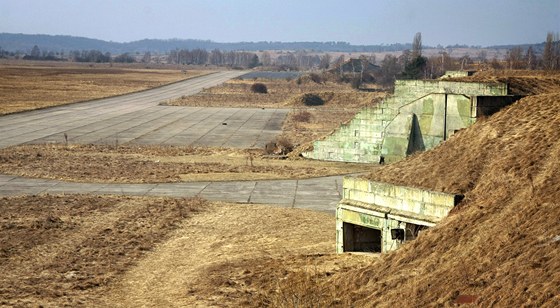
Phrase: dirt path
x=213 y=259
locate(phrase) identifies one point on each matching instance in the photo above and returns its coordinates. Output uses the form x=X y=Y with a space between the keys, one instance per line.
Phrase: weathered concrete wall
x=419 y=116
x=385 y=206
x=413 y=202
x=420 y=88
x=368 y=219
x=425 y=123
x=359 y=140
x=449 y=74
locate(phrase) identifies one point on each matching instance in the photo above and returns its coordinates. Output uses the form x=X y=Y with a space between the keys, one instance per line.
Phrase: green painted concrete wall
x=419 y=116
x=385 y=206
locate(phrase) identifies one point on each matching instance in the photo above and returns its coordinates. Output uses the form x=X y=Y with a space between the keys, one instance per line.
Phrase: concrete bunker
x=380 y=217
x=420 y=115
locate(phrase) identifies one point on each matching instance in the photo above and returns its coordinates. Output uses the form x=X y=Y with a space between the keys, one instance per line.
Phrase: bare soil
x=27 y=87
x=157 y=164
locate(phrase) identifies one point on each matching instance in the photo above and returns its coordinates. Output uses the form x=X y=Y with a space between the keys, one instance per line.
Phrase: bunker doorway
x=360 y=239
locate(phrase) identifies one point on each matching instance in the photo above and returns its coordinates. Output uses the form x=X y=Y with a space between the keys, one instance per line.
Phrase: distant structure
x=420 y=115
x=453 y=74
x=356 y=66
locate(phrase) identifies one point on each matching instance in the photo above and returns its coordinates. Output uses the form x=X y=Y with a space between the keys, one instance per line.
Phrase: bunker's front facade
x=420 y=115
x=380 y=217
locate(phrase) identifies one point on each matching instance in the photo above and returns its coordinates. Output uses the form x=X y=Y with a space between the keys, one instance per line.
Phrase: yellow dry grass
x=157 y=164
x=237 y=93
x=27 y=87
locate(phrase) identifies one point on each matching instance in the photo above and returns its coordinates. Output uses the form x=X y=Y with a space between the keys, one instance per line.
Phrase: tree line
x=242 y=59
x=411 y=64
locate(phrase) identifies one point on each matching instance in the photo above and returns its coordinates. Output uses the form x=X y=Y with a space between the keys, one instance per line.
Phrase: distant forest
x=56 y=43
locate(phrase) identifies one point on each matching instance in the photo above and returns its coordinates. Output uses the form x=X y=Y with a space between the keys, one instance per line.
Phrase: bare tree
x=416 y=46
x=364 y=63
x=531 y=59
x=372 y=59
x=551 y=53
x=147 y=57
x=35 y=52
x=482 y=56
x=325 y=61
x=514 y=58
x=340 y=64
x=389 y=69
x=266 y=59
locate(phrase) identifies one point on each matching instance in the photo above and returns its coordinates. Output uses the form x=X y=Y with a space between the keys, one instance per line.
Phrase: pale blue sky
x=472 y=22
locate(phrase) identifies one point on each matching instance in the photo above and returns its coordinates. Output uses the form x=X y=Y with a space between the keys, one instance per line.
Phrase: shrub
x=281 y=146
x=309 y=99
x=259 y=88
x=302 y=116
x=315 y=78
x=312 y=77
x=284 y=145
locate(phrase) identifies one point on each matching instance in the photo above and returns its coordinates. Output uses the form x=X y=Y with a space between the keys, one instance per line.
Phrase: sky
x=359 y=22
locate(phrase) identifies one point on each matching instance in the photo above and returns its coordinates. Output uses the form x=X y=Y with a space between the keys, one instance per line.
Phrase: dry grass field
x=157 y=164
x=65 y=250
x=237 y=93
x=27 y=87
x=79 y=250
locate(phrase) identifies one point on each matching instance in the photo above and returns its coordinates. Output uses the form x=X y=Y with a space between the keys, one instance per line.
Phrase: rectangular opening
x=412 y=231
x=360 y=239
x=488 y=105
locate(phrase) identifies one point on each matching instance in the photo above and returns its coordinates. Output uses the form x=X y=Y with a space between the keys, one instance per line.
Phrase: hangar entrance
x=361 y=239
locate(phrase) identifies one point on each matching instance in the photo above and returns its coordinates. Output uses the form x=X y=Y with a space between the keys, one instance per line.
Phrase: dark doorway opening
x=361 y=239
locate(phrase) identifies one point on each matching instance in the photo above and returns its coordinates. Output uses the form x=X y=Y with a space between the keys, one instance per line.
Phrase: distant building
x=356 y=66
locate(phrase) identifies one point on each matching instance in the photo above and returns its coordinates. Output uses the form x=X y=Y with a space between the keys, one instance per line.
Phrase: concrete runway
x=138 y=119
x=318 y=194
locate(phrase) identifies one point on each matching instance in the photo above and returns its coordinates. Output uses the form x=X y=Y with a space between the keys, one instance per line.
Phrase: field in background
x=47 y=85
x=304 y=123
x=27 y=87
